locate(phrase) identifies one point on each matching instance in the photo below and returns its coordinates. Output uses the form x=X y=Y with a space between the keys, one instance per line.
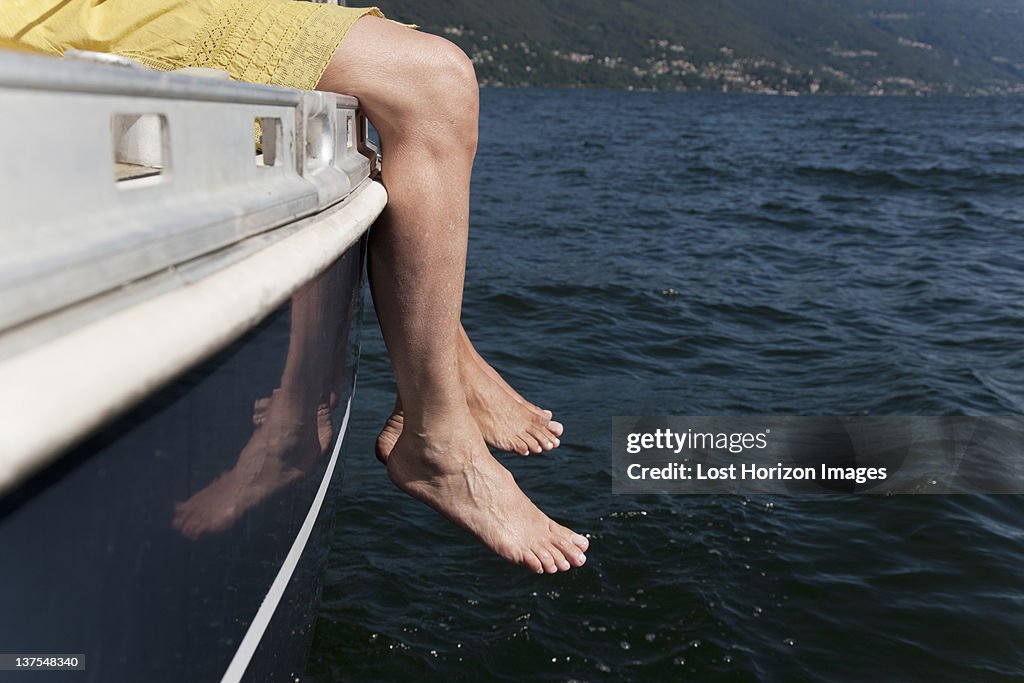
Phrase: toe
x=531 y=442
x=555 y=428
x=519 y=446
x=578 y=540
x=571 y=551
x=544 y=438
x=560 y=561
x=533 y=562
x=547 y=560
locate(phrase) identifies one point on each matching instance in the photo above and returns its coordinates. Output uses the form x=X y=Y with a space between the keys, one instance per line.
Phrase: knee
x=432 y=96
x=412 y=85
x=456 y=76
x=446 y=95
x=415 y=87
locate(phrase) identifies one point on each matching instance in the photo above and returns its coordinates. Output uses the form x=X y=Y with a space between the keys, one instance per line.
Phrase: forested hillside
x=765 y=46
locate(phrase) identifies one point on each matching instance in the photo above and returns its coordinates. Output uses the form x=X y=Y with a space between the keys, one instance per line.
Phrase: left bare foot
x=388 y=436
x=507 y=421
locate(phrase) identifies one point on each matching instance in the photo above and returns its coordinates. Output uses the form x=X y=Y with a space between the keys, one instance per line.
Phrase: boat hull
x=187 y=539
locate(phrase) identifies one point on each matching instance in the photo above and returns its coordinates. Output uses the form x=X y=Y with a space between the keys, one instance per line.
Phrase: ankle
x=439 y=411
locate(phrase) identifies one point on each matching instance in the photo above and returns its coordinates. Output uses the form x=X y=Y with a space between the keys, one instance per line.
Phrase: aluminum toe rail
x=148 y=220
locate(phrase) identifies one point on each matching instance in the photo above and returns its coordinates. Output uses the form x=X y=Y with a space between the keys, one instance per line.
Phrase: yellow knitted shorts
x=279 y=42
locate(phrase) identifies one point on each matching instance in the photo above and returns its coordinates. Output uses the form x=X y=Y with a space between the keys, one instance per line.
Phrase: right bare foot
x=458 y=477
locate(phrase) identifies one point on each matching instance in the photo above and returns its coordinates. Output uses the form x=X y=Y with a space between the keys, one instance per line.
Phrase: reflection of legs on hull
x=338 y=356
x=293 y=426
x=324 y=425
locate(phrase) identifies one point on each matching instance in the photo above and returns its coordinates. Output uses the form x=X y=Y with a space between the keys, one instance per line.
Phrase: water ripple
x=734 y=255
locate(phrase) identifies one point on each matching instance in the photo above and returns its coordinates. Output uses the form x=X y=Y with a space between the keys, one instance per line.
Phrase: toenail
x=583 y=558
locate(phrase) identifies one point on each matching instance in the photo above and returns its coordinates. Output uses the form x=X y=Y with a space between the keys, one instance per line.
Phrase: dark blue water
x=670 y=254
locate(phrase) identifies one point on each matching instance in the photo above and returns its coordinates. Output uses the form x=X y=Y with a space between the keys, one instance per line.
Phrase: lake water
x=637 y=253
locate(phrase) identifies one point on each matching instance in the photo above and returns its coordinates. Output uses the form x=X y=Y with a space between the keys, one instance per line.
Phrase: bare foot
x=280 y=452
x=388 y=436
x=458 y=477
x=507 y=420
x=324 y=425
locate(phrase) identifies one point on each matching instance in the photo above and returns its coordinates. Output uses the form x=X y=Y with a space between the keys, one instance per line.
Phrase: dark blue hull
x=152 y=547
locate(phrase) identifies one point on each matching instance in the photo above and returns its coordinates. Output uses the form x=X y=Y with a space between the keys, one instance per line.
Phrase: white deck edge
x=258 y=627
x=57 y=393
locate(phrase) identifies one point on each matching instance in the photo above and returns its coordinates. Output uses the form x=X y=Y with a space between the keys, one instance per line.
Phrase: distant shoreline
x=1017 y=92
x=852 y=47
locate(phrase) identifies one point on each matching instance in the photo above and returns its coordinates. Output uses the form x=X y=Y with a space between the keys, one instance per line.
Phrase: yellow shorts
x=279 y=42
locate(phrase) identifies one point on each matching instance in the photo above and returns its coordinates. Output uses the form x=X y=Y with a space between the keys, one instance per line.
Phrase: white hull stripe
x=251 y=641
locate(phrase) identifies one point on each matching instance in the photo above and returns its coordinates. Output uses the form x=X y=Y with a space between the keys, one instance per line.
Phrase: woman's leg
x=420 y=93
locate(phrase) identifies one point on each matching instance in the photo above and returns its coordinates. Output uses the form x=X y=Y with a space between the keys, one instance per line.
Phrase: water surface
x=680 y=254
